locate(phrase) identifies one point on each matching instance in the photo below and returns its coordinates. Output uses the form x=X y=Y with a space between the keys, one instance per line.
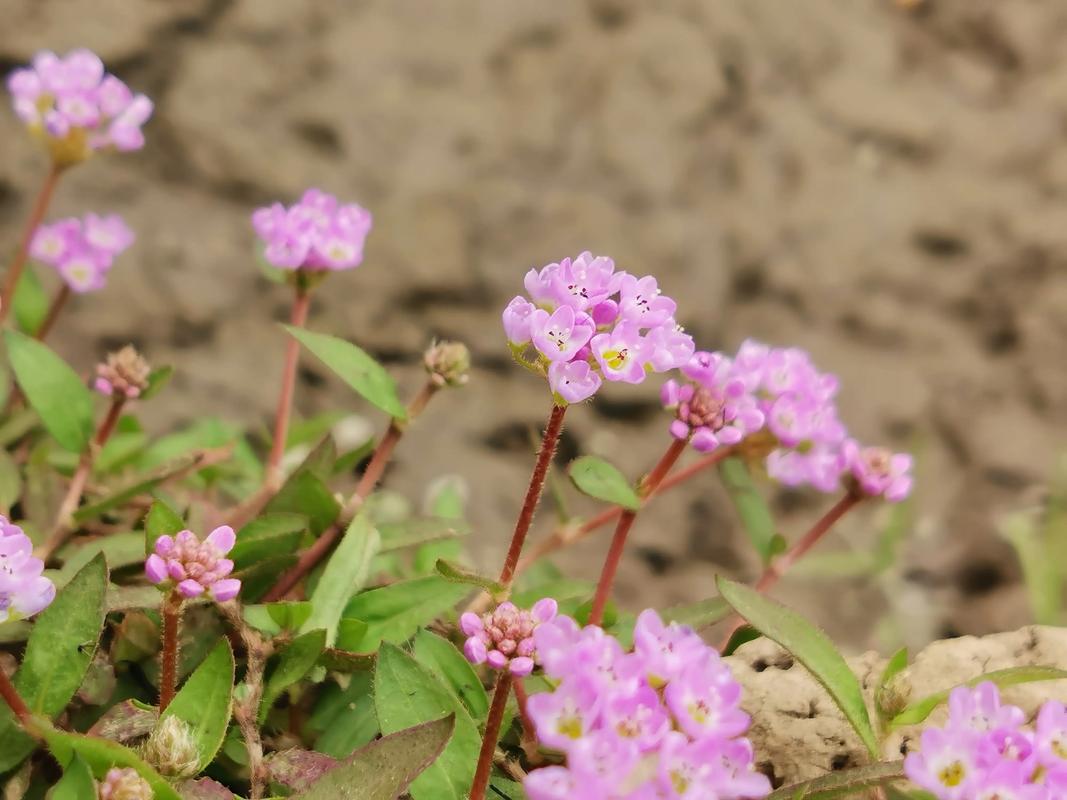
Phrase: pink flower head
x=316 y=234
x=583 y=311
x=877 y=471
x=195 y=566
x=77 y=107
x=23 y=590
x=82 y=250
x=504 y=638
x=123 y=783
x=125 y=373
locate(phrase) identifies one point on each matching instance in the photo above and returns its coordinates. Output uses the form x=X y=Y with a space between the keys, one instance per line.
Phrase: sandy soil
x=883 y=186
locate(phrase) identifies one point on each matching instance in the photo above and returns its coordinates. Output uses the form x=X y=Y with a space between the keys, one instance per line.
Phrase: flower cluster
x=82 y=250
x=23 y=590
x=985 y=753
x=123 y=783
x=195 y=566
x=661 y=721
x=316 y=234
x=780 y=392
x=124 y=374
x=504 y=638
x=588 y=322
x=77 y=107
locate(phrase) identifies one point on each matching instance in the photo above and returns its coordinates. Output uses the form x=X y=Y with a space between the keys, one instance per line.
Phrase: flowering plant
x=218 y=613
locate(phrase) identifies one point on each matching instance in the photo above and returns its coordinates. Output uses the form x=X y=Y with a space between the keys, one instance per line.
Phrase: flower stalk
x=168 y=676
x=297 y=318
x=14 y=699
x=40 y=208
x=492 y=732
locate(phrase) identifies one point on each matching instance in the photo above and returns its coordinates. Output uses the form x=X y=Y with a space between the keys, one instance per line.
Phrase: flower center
x=952 y=774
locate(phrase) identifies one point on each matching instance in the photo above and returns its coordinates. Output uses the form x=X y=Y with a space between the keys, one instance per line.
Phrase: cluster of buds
x=448 y=363
x=195 y=567
x=124 y=374
x=504 y=637
x=660 y=721
x=82 y=251
x=317 y=234
x=985 y=753
x=171 y=748
x=23 y=589
x=583 y=322
x=123 y=783
x=780 y=393
x=76 y=107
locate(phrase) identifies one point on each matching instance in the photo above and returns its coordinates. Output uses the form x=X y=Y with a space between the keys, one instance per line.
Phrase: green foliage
x=295 y=661
x=395 y=612
x=205 y=700
x=843 y=783
x=752 y=509
x=30 y=302
x=603 y=481
x=161 y=520
x=457 y=574
x=453 y=670
x=76 y=783
x=344 y=716
x=267 y=536
x=101 y=755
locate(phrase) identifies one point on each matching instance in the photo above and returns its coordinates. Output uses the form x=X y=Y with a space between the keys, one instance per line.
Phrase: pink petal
x=225 y=589
x=222 y=538
x=190 y=588
x=155 y=568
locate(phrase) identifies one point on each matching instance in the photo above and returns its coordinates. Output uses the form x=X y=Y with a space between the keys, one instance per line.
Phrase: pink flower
x=195 y=566
x=517 y=320
x=23 y=590
x=82 y=250
x=76 y=106
x=561 y=335
x=877 y=471
x=316 y=234
x=504 y=639
x=621 y=354
x=574 y=381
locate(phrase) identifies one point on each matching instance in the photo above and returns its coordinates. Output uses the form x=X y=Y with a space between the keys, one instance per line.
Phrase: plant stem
x=58 y=302
x=618 y=543
x=11 y=697
x=492 y=733
x=533 y=493
x=65 y=517
x=371 y=475
x=298 y=317
x=168 y=676
x=40 y=208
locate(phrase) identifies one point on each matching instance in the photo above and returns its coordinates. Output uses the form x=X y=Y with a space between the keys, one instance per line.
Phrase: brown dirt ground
x=881 y=185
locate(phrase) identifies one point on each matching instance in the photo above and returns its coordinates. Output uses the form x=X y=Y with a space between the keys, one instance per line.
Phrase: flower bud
x=448 y=363
x=125 y=373
x=171 y=749
x=124 y=784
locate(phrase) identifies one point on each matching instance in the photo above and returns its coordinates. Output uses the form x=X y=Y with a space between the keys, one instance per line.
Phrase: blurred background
x=879 y=181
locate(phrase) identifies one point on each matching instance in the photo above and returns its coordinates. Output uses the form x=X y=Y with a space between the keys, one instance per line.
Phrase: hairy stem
x=622 y=530
x=492 y=732
x=371 y=475
x=168 y=676
x=533 y=492
x=54 y=310
x=298 y=317
x=13 y=699
x=40 y=208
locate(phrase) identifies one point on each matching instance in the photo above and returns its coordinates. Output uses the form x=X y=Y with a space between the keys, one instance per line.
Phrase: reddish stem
x=58 y=302
x=373 y=473
x=492 y=734
x=40 y=208
x=298 y=317
x=533 y=493
x=168 y=677
x=618 y=543
x=12 y=698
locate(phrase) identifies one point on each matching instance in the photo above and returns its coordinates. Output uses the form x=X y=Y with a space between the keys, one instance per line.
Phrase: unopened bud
x=448 y=363
x=171 y=749
x=124 y=784
x=125 y=373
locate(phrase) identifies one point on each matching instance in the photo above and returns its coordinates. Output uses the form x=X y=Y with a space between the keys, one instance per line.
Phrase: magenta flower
x=77 y=107
x=23 y=590
x=316 y=234
x=877 y=471
x=82 y=250
x=124 y=374
x=660 y=721
x=504 y=638
x=194 y=566
x=583 y=322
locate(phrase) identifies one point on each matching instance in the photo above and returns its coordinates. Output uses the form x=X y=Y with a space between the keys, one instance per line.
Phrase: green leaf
x=161 y=520
x=897 y=664
x=76 y=783
x=119 y=549
x=289 y=615
x=505 y=788
x=101 y=755
x=451 y=667
x=844 y=783
x=294 y=663
x=143 y=484
x=345 y=717
x=10 y=482
x=345 y=574
x=420 y=530
x=810 y=646
x=407 y=694
x=698 y=615
x=920 y=710
x=1041 y=570
x=157 y=379
x=53 y=389
x=352 y=365
x=204 y=702
x=267 y=536
x=384 y=769
x=457 y=574
x=602 y=481
x=751 y=508
x=395 y=612
x=30 y=302
x=305 y=493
